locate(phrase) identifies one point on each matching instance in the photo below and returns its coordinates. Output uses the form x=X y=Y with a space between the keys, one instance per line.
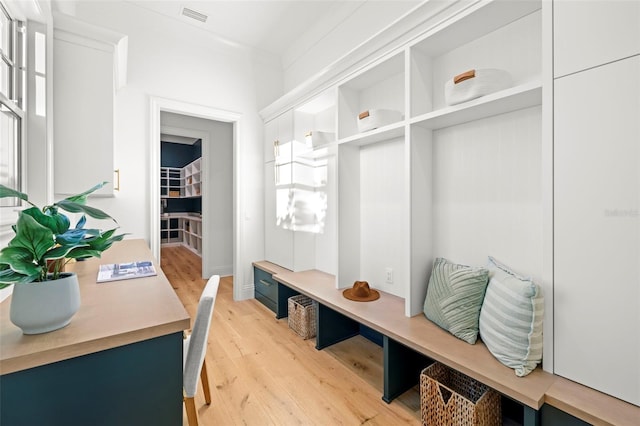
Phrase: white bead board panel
x=382 y=215
x=486 y=191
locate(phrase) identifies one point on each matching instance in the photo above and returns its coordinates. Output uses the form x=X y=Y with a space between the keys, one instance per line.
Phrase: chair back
x=197 y=345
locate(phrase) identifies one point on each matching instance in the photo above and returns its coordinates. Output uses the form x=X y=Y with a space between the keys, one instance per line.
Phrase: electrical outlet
x=389 y=275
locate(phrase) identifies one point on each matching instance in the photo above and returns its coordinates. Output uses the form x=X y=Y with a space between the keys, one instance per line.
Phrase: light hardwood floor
x=262 y=373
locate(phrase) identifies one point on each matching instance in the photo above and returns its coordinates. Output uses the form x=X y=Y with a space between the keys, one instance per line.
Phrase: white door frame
x=158 y=105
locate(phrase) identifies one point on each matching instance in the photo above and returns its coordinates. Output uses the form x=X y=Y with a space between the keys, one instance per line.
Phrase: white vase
x=40 y=307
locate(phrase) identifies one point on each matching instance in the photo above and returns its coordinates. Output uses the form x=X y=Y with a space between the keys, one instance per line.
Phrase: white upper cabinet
x=83 y=119
x=596 y=228
x=588 y=33
x=278 y=136
x=86 y=74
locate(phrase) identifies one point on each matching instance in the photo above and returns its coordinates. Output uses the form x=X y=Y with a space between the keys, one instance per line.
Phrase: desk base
x=137 y=384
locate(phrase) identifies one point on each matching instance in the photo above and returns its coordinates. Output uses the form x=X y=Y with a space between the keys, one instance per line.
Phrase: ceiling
x=268 y=25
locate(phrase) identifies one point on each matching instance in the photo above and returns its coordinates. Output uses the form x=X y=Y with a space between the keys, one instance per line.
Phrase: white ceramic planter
x=41 y=307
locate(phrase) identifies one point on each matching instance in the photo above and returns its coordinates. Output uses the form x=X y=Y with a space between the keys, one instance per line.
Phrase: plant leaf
x=71 y=237
x=19 y=260
x=82 y=197
x=8 y=277
x=83 y=252
x=81 y=222
x=8 y=192
x=56 y=222
x=74 y=207
x=61 y=251
x=104 y=241
x=32 y=236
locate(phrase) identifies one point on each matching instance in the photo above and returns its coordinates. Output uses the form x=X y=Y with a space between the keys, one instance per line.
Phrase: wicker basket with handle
x=448 y=397
x=302 y=316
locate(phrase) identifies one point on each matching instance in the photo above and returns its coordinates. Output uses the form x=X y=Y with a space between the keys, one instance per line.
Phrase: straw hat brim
x=373 y=295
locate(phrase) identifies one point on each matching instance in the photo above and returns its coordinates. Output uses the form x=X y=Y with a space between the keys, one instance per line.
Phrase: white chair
x=195 y=349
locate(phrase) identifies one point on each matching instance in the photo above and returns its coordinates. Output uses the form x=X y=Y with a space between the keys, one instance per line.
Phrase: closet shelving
x=171 y=183
x=192 y=233
x=183 y=227
x=192 y=178
x=181 y=182
x=170 y=230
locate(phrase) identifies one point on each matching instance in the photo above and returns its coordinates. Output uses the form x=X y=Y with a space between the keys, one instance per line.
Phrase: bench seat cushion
x=454 y=298
x=511 y=319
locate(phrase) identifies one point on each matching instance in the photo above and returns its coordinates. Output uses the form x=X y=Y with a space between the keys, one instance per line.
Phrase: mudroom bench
x=412 y=343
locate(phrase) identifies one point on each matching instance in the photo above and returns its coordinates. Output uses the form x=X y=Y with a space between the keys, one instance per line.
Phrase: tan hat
x=360 y=292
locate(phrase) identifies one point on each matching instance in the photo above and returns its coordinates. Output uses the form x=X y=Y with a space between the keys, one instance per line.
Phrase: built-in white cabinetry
x=589 y=33
x=459 y=181
x=436 y=183
x=278 y=240
x=597 y=196
x=296 y=193
x=381 y=87
x=373 y=181
x=83 y=81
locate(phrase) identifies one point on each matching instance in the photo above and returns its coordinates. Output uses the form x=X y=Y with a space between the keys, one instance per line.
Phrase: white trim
x=547 y=185
x=158 y=105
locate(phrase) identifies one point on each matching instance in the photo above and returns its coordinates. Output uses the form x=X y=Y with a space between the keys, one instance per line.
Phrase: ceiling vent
x=190 y=13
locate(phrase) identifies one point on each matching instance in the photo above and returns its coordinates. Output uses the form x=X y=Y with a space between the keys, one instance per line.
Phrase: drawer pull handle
x=267 y=283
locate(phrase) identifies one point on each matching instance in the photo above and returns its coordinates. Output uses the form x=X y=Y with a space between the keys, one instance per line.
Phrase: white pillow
x=511 y=319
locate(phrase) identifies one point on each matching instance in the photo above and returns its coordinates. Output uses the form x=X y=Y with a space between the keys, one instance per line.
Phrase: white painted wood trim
x=547 y=183
x=71 y=30
x=242 y=287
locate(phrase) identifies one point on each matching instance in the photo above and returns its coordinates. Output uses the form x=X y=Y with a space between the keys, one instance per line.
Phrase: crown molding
x=72 y=30
x=391 y=39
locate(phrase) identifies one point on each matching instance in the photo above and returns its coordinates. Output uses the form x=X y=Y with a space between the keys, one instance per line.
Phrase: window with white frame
x=12 y=102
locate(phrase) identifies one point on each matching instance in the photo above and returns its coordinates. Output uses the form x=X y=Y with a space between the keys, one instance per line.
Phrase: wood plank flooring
x=262 y=373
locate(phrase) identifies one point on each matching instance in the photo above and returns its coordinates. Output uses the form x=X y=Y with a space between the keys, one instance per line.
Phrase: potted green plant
x=45 y=298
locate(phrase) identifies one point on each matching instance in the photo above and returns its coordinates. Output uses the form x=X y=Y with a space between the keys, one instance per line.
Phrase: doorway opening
x=211 y=191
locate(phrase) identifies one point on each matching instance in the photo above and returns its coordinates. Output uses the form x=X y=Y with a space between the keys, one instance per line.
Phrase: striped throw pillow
x=511 y=319
x=454 y=298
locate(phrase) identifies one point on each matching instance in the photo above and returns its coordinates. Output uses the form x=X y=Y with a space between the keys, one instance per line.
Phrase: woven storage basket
x=302 y=316
x=448 y=397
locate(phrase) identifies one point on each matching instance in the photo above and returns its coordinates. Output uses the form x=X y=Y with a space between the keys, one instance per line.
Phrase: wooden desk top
x=111 y=314
x=386 y=315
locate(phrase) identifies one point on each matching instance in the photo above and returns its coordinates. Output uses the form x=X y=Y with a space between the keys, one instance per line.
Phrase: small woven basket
x=302 y=316
x=448 y=397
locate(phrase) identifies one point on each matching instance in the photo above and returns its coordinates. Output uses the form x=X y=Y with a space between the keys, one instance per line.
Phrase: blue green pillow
x=454 y=298
x=511 y=319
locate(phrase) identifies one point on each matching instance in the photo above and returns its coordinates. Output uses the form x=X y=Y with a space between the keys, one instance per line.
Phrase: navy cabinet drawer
x=265 y=288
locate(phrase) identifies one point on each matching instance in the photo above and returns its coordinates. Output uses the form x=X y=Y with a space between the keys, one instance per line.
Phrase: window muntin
x=12 y=95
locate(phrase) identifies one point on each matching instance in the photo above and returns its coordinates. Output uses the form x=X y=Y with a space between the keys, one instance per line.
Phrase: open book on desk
x=125 y=271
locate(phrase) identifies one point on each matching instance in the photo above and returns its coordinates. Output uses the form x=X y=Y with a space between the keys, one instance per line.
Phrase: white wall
x=218 y=166
x=173 y=61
